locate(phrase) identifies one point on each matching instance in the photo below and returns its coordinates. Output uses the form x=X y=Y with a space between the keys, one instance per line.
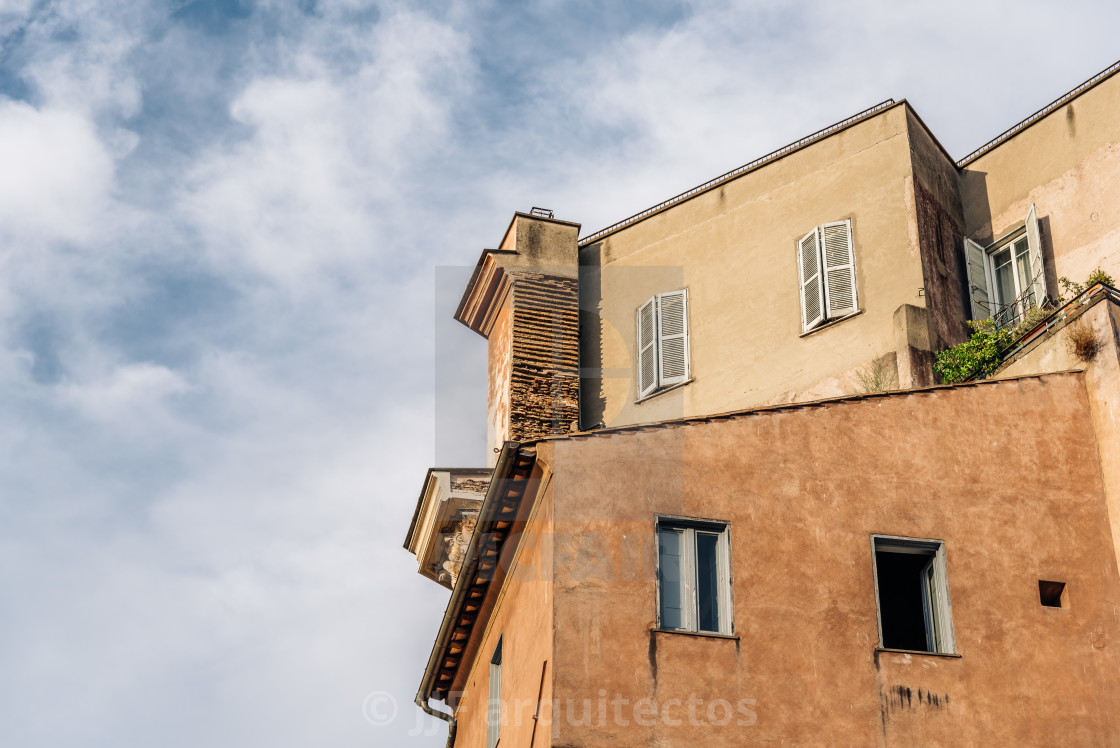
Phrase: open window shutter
x=647 y=347
x=976 y=263
x=688 y=578
x=839 y=269
x=942 y=609
x=494 y=710
x=809 y=275
x=672 y=342
x=929 y=605
x=670 y=569
x=725 y=615
x=1034 y=243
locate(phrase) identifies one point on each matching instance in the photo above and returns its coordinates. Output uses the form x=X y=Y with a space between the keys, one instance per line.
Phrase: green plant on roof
x=1074 y=289
x=979 y=355
x=1032 y=319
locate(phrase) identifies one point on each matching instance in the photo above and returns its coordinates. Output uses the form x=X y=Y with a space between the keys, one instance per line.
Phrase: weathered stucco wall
x=500 y=353
x=534 y=361
x=544 y=375
x=1068 y=164
x=1005 y=473
x=734 y=248
x=938 y=227
x=522 y=618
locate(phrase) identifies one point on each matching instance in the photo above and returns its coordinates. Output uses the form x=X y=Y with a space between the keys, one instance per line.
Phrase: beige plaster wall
x=1015 y=493
x=734 y=248
x=1068 y=164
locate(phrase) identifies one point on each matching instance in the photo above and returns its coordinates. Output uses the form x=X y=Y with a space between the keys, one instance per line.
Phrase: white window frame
x=827 y=281
x=936 y=600
x=659 y=343
x=689 y=583
x=980 y=269
x=494 y=704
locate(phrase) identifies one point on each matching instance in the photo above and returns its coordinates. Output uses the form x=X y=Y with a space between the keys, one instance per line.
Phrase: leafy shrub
x=1032 y=319
x=1099 y=276
x=980 y=354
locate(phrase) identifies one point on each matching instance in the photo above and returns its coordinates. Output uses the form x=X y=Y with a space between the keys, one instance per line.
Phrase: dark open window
x=913 y=595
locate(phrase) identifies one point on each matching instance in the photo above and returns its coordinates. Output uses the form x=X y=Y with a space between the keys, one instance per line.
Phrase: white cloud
x=130 y=394
x=329 y=141
x=57 y=177
x=79 y=55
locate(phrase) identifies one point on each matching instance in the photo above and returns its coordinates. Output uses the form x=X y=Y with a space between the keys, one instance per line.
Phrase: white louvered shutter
x=979 y=290
x=809 y=275
x=839 y=269
x=494 y=705
x=929 y=604
x=1034 y=244
x=672 y=338
x=942 y=609
x=647 y=347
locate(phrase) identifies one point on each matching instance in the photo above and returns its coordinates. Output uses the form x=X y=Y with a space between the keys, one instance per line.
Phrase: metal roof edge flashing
x=1041 y=114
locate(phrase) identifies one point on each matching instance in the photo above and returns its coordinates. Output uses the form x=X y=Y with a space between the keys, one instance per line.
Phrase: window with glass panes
x=694 y=577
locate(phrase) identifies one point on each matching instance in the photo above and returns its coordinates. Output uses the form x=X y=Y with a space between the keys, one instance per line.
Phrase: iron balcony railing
x=1008 y=316
x=1057 y=316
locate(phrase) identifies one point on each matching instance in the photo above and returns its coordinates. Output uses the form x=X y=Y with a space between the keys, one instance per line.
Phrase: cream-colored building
x=736 y=385
x=734 y=246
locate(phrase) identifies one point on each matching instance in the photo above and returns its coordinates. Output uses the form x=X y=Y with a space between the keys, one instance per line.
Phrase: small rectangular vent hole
x=1050 y=593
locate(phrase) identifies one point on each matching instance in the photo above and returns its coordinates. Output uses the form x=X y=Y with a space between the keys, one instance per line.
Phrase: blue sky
x=231 y=235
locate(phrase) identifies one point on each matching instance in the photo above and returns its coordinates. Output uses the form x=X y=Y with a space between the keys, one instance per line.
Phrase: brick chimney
x=524 y=299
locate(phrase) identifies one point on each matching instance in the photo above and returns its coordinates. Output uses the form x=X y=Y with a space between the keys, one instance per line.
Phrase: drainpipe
x=448 y=718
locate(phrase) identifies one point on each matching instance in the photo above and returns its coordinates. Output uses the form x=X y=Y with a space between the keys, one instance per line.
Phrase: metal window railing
x=1058 y=315
x=1008 y=316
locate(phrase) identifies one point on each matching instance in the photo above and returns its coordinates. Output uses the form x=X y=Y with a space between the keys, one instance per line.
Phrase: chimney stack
x=524 y=299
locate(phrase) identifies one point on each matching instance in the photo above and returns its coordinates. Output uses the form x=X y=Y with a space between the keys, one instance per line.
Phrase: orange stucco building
x=728 y=503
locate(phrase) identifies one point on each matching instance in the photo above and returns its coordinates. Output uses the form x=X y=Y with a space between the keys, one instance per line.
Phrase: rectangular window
x=1006 y=278
x=912 y=595
x=662 y=332
x=494 y=711
x=826 y=268
x=694 y=577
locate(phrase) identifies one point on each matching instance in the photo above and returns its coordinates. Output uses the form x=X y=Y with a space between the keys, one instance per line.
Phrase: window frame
x=937 y=630
x=828 y=313
x=494 y=692
x=1010 y=244
x=689 y=526
x=984 y=309
x=662 y=382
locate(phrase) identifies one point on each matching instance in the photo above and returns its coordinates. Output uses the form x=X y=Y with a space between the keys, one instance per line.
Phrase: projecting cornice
x=531 y=243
